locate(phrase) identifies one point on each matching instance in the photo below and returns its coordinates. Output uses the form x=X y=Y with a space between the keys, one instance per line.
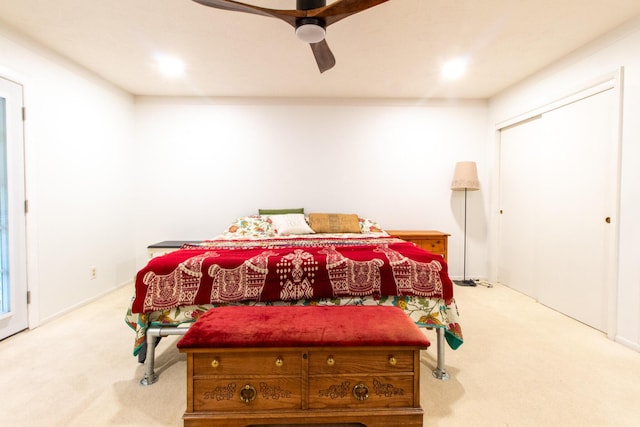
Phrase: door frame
x=17 y=319
x=610 y=81
x=30 y=195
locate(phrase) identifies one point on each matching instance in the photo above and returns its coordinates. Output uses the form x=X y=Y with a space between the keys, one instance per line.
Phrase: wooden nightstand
x=429 y=240
x=166 y=246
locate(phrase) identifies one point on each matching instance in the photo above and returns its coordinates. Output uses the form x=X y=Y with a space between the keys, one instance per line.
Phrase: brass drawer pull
x=248 y=393
x=279 y=362
x=215 y=363
x=331 y=361
x=393 y=361
x=360 y=392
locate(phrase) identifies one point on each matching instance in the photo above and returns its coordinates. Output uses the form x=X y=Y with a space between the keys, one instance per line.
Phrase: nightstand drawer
x=429 y=240
x=436 y=246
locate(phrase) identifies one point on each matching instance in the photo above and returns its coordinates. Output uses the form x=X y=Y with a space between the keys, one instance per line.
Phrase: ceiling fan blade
x=323 y=16
x=324 y=56
x=341 y=9
x=289 y=16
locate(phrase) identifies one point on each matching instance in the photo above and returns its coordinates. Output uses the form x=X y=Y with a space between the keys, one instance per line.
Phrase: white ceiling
x=394 y=50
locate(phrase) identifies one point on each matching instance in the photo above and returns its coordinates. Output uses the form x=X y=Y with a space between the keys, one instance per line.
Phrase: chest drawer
x=361 y=391
x=246 y=394
x=376 y=361
x=248 y=363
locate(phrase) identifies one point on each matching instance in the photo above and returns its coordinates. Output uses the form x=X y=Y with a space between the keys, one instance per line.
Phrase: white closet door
x=579 y=150
x=557 y=228
x=518 y=173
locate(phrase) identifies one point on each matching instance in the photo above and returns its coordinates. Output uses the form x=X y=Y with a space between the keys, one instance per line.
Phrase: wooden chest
x=238 y=387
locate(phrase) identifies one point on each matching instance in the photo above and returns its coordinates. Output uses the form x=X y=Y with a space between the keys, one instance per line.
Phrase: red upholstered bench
x=292 y=365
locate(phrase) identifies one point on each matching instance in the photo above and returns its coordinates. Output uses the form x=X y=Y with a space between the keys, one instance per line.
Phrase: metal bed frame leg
x=150 y=376
x=440 y=372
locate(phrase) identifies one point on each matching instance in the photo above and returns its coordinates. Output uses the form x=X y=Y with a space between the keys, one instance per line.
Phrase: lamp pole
x=465 y=177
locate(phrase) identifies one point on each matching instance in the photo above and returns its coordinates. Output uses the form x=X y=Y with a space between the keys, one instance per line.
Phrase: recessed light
x=170 y=66
x=455 y=68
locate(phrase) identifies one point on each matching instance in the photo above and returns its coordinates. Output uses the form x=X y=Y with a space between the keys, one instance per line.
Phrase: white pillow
x=290 y=224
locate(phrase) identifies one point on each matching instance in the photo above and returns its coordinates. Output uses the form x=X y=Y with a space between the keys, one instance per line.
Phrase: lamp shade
x=465 y=177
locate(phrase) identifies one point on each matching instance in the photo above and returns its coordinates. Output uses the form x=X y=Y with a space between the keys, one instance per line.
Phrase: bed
x=289 y=258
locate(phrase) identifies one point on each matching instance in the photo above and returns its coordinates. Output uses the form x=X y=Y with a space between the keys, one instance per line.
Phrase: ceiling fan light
x=310 y=33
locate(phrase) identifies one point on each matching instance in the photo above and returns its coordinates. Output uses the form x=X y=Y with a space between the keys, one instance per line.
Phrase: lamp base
x=465 y=282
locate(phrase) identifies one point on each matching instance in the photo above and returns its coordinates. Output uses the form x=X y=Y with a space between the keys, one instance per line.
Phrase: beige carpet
x=522 y=364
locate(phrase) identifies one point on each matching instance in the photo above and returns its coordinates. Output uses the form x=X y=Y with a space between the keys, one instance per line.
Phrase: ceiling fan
x=310 y=19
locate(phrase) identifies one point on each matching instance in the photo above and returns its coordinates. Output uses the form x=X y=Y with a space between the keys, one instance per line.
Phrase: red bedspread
x=220 y=271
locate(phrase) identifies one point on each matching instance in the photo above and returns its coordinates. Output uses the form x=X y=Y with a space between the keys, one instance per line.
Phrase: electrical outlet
x=94 y=273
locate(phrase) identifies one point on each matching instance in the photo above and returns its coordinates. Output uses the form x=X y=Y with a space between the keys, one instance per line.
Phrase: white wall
x=78 y=137
x=107 y=176
x=202 y=163
x=618 y=49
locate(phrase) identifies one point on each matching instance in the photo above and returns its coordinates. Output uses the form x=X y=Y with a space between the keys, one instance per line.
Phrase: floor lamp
x=465 y=177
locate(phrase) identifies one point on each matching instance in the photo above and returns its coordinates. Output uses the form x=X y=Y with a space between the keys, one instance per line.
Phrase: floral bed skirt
x=425 y=312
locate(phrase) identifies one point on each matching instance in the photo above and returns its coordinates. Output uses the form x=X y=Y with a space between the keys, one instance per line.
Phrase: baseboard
x=630 y=344
x=82 y=304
